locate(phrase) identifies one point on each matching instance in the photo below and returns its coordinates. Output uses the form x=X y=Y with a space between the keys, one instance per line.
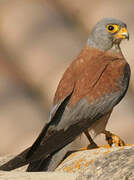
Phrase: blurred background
x=38 y=40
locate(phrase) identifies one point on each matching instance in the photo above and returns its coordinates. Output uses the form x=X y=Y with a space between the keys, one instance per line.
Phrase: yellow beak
x=122 y=34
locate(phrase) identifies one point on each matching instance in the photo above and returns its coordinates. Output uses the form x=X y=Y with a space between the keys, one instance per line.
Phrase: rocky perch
x=116 y=163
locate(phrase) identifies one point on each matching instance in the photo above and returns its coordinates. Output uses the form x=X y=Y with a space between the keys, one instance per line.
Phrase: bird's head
x=107 y=34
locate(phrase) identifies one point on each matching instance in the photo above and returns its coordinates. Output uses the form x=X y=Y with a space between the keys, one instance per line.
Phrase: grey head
x=107 y=34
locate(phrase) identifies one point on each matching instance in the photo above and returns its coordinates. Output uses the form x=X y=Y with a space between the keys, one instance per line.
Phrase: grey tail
x=58 y=115
x=50 y=163
x=16 y=162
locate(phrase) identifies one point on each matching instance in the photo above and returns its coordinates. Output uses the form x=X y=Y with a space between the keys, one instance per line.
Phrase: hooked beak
x=122 y=34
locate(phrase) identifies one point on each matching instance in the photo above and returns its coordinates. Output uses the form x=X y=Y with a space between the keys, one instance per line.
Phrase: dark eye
x=110 y=28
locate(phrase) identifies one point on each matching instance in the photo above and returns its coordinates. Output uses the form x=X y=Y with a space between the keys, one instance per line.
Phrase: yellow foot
x=113 y=140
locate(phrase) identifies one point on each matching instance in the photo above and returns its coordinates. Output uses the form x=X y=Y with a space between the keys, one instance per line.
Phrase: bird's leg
x=113 y=140
x=92 y=143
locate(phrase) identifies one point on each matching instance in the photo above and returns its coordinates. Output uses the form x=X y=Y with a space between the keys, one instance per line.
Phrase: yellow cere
x=112 y=28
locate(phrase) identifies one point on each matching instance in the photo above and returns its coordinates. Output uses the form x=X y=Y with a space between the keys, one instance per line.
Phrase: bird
x=93 y=84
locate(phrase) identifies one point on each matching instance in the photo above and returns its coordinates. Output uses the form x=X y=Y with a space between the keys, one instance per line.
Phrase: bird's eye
x=112 y=28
